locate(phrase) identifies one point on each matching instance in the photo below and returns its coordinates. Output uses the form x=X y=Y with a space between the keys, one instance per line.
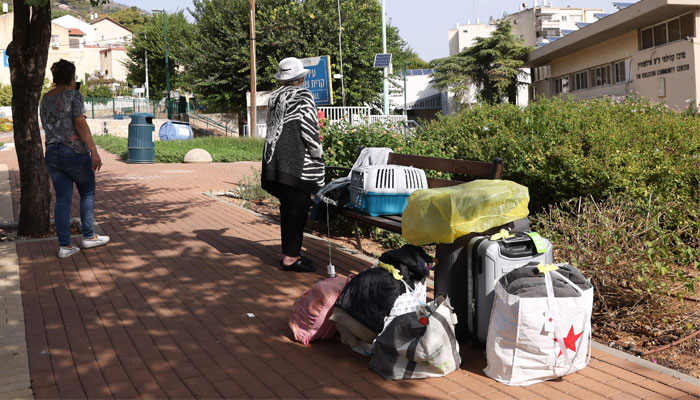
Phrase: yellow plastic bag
x=442 y=215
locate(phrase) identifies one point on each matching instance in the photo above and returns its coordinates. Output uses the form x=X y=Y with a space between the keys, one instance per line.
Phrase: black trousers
x=294 y=211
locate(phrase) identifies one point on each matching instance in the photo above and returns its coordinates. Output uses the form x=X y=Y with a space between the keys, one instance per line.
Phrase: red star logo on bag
x=570 y=340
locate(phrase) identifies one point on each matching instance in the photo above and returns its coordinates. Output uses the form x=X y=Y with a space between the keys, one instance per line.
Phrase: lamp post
x=340 y=49
x=167 y=70
x=146 y=83
x=252 y=120
x=386 y=69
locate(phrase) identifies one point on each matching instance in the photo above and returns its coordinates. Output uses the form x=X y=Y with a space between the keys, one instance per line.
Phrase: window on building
x=668 y=31
x=55 y=40
x=600 y=76
x=619 y=73
x=647 y=38
x=561 y=85
x=579 y=81
x=74 y=43
x=660 y=35
x=686 y=22
x=673 y=28
x=563 y=17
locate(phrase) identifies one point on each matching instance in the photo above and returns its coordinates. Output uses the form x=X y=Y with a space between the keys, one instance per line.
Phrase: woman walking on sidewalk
x=293 y=166
x=71 y=157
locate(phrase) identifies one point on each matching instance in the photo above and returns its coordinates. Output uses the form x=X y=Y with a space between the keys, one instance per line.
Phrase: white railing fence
x=387 y=118
x=260 y=131
x=351 y=115
x=348 y=114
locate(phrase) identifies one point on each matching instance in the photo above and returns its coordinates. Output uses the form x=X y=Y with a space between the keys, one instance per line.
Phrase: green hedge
x=560 y=149
x=221 y=149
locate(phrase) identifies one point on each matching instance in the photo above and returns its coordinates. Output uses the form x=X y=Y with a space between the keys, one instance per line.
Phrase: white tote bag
x=531 y=340
x=419 y=344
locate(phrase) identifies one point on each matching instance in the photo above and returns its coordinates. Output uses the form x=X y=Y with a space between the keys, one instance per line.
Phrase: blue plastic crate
x=376 y=204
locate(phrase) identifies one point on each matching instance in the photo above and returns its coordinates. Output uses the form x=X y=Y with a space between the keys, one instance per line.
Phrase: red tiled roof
x=75 y=32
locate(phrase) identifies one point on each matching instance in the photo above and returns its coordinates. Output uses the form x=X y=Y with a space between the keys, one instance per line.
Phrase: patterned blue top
x=57 y=113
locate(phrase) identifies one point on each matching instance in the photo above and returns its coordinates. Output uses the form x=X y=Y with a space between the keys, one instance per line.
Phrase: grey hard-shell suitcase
x=487 y=262
x=450 y=271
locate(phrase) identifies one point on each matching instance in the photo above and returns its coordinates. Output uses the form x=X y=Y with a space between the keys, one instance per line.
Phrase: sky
x=424 y=23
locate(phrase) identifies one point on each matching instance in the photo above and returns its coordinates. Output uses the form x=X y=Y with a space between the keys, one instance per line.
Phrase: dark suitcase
x=487 y=262
x=450 y=271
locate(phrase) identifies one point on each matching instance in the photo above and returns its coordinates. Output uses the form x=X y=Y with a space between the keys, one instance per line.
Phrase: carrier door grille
x=385 y=179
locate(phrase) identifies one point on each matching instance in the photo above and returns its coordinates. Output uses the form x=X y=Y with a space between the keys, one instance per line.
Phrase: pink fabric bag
x=309 y=320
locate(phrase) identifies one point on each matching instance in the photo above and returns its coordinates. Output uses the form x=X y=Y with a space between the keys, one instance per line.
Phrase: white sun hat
x=290 y=69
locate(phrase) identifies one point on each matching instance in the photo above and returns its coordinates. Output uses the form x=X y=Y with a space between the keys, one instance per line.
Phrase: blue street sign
x=318 y=80
x=4 y=57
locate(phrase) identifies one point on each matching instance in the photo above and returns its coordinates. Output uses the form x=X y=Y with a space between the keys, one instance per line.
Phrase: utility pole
x=252 y=121
x=340 y=46
x=167 y=70
x=405 y=109
x=386 y=69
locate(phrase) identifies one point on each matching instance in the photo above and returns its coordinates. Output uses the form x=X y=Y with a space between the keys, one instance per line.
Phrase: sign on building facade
x=318 y=80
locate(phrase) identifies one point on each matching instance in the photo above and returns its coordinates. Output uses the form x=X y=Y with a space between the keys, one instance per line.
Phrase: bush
x=633 y=259
x=5 y=95
x=565 y=149
x=6 y=125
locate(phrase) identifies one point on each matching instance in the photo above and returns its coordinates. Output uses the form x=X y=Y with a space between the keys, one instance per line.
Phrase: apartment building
x=649 y=48
x=537 y=25
x=79 y=42
x=108 y=32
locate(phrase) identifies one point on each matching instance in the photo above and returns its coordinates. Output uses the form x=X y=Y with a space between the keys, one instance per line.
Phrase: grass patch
x=222 y=149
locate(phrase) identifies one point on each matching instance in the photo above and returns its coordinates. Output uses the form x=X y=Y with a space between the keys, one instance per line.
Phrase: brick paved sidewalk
x=186 y=301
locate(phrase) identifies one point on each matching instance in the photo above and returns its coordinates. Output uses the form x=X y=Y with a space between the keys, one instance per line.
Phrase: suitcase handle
x=518 y=246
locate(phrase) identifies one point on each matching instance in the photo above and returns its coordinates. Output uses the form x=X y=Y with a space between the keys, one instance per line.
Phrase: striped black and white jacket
x=293 y=154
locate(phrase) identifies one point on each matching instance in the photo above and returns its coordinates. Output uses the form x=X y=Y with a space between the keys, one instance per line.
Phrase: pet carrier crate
x=384 y=189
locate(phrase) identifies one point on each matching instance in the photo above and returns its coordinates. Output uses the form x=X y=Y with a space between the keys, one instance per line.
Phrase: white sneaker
x=64 y=252
x=98 y=240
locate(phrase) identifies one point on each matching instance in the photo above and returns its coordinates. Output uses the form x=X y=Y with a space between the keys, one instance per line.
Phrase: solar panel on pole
x=382 y=60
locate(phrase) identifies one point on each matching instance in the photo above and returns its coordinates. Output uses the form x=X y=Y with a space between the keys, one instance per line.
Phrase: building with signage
x=649 y=48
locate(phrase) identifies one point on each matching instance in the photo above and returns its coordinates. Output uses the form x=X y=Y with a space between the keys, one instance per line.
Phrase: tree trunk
x=28 y=54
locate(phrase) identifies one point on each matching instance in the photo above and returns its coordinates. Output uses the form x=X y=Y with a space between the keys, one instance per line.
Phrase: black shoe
x=300 y=265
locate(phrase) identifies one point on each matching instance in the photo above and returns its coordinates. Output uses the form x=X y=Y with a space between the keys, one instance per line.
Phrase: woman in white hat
x=293 y=167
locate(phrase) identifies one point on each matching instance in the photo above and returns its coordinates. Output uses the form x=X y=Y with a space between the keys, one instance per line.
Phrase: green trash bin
x=141 y=134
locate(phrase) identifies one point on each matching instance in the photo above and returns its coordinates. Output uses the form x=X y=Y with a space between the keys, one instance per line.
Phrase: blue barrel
x=175 y=130
x=140 y=147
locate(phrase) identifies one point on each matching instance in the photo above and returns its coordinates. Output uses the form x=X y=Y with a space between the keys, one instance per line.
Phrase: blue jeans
x=65 y=168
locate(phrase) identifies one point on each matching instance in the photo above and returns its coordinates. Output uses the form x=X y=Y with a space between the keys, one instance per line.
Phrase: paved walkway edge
x=647 y=364
x=15 y=382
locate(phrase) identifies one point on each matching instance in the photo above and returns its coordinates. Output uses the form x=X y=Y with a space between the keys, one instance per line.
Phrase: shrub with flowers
x=6 y=125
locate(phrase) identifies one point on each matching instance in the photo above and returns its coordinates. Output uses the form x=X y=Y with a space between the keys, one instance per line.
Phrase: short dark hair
x=63 y=72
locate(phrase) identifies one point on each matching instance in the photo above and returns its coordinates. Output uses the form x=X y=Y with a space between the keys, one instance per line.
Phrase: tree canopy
x=150 y=38
x=219 y=63
x=132 y=18
x=493 y=65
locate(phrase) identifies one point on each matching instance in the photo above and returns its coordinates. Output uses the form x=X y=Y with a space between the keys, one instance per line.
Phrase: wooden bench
x=474 y=169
